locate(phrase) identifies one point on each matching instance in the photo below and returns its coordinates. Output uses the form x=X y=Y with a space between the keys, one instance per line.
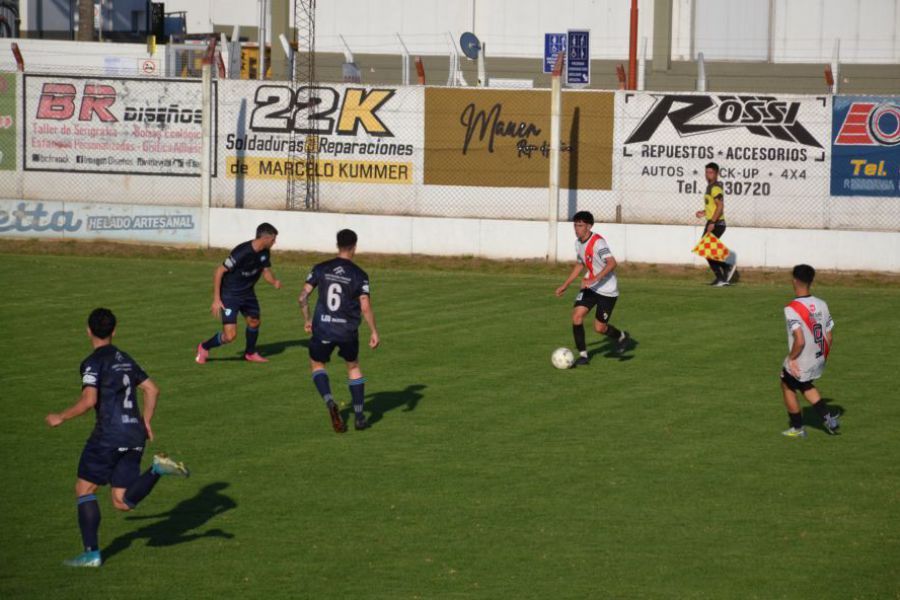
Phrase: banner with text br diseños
x=112 y=125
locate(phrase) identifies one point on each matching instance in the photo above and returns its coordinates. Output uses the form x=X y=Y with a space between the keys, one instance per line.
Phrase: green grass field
x=487 y=473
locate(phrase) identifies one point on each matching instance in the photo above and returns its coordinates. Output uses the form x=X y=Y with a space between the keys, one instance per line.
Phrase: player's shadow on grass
x=379 y=403
x=178 y=525
x=812 y=419
x=267 y=350
x=607 y=348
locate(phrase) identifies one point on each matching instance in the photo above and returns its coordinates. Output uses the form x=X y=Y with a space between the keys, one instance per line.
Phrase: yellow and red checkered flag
x=710 y=246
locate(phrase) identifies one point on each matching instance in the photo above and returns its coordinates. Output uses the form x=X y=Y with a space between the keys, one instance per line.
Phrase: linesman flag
x=710 y=246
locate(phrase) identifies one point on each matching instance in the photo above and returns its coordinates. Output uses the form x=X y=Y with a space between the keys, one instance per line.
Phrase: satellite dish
x=470 y=45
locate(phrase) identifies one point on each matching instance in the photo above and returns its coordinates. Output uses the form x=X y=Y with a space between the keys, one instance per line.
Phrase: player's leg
x=830 y=419
x=605 y=306
x=319 y=355
x=349 y=351
x=584 y=301
x=226 y=336
x=88 y=523
x=130 y=486
x=713 y=265
x=94 y=468
x=789 y=395
x=725 y=271
x=250 y=308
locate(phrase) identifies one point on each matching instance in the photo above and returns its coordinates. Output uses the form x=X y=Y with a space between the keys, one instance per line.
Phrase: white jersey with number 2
x=593 y=254
x=811 y=361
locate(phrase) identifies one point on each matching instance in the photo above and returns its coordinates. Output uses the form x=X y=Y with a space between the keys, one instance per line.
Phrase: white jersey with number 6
x=593 y=254
x=811 y=361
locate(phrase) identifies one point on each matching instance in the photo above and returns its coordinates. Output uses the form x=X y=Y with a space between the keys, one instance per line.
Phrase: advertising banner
x=160 y=224
x=362 y=135
x=766 y=146
x=8 y=139
x=865 y=146
x=501 y=138
x=122 y=126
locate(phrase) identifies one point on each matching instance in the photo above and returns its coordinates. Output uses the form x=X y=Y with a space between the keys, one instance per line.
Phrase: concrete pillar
x=281 y=24
x=662 y=35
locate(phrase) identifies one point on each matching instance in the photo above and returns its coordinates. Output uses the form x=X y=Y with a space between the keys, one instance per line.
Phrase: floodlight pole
x=555 y=134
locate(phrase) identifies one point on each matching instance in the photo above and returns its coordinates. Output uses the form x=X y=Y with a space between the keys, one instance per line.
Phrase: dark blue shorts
x=320 y=350
x=247 y=305
x=118 y=467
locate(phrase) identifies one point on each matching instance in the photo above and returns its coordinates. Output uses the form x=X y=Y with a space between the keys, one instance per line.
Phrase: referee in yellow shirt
x=714 y=211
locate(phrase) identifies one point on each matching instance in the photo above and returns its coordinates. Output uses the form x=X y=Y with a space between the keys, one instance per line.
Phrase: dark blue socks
x=358 y=394
x=212 y=342
x=142 y=486
x=252 y=335
x=320 y=379
x=89 y=521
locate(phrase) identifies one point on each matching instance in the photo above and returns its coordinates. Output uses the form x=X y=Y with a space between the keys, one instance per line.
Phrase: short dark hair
x=266 y=229
x=713 y=166
x=583 y=216
x=804 y=274
x=102 y=322
x=346 y=239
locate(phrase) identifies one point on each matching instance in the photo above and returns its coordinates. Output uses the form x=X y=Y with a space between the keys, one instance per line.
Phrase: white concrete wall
x=80 y=58
x=732 y=29
x=798 y=30
x=869 y=30
x=801 y=31
x=664 y=244
x=508 y=27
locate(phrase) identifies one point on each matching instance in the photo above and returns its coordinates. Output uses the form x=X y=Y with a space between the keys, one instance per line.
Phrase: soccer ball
x=562 y=358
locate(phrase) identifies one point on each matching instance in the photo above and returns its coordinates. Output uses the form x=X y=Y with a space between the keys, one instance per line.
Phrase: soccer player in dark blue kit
x=343 y=297
x=233 y=283
x=112 y=454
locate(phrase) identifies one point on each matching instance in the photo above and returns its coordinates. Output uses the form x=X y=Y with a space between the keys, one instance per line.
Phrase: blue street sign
x=578 y=57
x=554 y=43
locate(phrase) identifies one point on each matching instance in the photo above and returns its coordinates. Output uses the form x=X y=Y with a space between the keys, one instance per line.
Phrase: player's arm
x=151 y=395
x=217 y=305
x=608 y=268
x=576 y=271
x=87 y=401
x=365 y=304
x=798 y=342
x=270 y=278
x=304 y=306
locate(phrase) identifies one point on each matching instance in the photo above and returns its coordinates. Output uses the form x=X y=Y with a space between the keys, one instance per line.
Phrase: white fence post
x=262 y=35
x=206 y=153
x=642 y=65
x=701 y=73
x=836 y=65
x=404 y=55
x=555 y=134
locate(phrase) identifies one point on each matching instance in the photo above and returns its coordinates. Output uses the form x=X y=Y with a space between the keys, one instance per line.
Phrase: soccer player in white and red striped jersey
x=809 y=326
x=599 y=287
